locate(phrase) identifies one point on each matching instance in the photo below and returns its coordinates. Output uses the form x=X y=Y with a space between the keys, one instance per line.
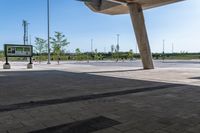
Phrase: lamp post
x=48 y=37
x=91 y=45
x=118 y=40
x=163 y=50
x=117 y=47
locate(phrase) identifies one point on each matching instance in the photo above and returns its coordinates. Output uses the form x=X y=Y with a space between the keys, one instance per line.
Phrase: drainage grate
x=84 y=126
x=34 y=104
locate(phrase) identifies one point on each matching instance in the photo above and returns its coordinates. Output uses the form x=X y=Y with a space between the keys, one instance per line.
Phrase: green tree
x=96 y=51
x=59 y=42
x=130 y=54
x=1 y=55
x=40 y=46
x=78 y=54
x=78 y=51
x=96 y=56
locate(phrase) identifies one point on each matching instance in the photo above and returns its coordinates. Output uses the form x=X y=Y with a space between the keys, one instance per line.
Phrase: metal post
x=24 y=24
x=48 y=40
x=118 y=42
x=163 y=50
x=30 y=39
x=31 y=60
x=117 y=47
x=118 y=39
x=7 y=60
x=91 y=45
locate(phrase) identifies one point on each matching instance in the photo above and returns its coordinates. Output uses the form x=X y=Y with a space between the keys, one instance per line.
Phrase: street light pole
x=163 y=50
x=118 y=39
x=118 y=35
x=48 y=27
x=91 y=45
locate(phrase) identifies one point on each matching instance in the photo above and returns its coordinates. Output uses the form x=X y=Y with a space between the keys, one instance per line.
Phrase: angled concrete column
x=138 y=21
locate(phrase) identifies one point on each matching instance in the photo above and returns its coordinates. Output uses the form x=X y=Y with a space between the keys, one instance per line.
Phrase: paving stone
x=21 y=115
x=57 y=121
x=125 y=126
x=3 y=131
x=32 y=125
x=169 y=110
x=18 y=130
x=133 y=131
x=109 y=130
x=158 y=131
x=194 y=129
x=8 y=122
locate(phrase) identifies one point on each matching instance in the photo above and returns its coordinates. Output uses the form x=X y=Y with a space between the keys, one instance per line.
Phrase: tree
x=112 y=48
x=1 y=55
x=78 y=54
x=130 y=54
x=58 y=43
x=96 y=56
x=40 y=46
x=96 y=51
x=78 y=51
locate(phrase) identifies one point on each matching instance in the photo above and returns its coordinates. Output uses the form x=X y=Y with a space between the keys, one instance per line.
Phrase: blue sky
x=177 y=23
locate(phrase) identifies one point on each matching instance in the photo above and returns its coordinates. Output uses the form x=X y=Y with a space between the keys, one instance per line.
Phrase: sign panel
x=18 y=50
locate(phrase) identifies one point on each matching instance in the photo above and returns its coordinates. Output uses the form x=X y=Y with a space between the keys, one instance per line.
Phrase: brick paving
x=170 y=108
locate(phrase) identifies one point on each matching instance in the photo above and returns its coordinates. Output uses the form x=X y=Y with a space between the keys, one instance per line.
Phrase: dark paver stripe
x=34 y=104
x=83 y=126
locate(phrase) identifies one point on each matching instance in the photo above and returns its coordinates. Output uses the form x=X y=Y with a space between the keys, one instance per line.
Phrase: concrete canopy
x=135 y=9
x=114 y=7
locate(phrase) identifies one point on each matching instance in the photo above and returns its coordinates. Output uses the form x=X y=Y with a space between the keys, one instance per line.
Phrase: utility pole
x=163 y=50
x=48 y=36
x=136 y=49
x=30 y=39
x=118 y=35
x=117 y=47
x=172 y=48
x=25 y=25
x=91 y=45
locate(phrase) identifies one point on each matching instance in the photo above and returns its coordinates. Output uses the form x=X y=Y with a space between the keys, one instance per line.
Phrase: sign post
x=13 y=50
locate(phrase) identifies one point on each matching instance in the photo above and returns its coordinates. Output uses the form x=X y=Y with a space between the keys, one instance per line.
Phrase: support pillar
x=137 y=17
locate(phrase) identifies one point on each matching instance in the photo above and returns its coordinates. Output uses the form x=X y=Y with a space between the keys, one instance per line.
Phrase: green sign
x=12 y=50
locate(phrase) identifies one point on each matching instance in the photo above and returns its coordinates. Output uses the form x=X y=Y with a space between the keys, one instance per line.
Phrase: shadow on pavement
x=173 y=106
x=28 y=87
x=114 y=71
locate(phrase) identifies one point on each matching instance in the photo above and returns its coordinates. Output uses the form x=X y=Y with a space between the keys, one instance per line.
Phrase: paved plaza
x=100 y=97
